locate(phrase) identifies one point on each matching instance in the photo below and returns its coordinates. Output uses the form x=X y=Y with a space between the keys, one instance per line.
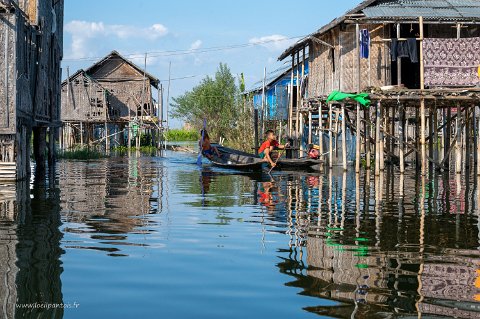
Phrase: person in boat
x=208 y=150
x=266 y=150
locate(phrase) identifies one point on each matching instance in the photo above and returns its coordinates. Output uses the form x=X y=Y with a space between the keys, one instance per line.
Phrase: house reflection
x=30 y=251
x=376 y=254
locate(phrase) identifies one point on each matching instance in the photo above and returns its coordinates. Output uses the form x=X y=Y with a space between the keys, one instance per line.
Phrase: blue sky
x=93 y=28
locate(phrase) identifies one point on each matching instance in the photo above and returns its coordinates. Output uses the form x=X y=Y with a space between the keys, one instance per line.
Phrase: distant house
x=277 y=90
x=113 y=92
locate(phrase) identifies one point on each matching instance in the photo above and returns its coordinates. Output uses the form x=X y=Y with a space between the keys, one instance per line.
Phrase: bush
x=182 y=135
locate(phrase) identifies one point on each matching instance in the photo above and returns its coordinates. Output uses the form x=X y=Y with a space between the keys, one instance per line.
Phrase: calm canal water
x=145 y=237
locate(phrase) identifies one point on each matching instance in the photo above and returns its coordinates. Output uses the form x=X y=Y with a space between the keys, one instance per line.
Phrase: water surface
x=154 y=237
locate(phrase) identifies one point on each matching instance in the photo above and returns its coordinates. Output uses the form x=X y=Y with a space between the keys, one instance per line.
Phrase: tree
x=216 y=100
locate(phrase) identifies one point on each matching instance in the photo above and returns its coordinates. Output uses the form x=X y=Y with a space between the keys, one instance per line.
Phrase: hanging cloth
x=364 y=43
x=412 y=49
x=338 y=96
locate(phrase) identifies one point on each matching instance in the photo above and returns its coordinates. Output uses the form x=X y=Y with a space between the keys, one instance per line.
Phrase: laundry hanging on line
x=404 y=49
x=364 y=43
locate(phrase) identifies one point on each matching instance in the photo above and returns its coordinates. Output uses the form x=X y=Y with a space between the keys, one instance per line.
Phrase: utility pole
x=168 y=92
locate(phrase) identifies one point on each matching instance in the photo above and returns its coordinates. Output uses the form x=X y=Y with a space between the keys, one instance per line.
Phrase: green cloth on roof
x=338 y=96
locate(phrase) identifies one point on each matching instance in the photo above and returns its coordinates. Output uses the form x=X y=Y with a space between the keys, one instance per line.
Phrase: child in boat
x=266 y=149
x=207 y=149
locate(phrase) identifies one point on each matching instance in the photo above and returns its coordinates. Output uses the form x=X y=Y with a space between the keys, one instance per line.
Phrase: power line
x=192 y=51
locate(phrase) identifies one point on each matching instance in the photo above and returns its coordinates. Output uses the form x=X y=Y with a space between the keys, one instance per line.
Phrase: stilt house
x=417 y=60
x=31 y=48
x=111 y=94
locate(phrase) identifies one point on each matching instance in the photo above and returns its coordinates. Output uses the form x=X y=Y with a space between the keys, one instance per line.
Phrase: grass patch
x=180 y=135
x=81 y=154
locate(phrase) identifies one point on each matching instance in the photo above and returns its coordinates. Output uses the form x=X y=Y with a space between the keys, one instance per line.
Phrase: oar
x=276 y=161
x=200 y=155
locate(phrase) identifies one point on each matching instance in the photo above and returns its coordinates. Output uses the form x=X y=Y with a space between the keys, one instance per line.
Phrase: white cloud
x=86 y=35
x=274 y=42
x=196 y=45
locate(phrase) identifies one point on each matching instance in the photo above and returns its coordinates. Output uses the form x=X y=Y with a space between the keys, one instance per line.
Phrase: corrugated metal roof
x=445 y=9
x=433 y=10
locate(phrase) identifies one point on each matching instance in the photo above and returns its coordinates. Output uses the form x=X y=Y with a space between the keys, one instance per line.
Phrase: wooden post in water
x=431 y=134
x=474 y=134
x=344 y=139
x=309 y=127
x=368 y=130
x=359 y=141
x=255 y=129
x=81 y=134
x=382 y=138
x=401 y=129
x=377 y=139
x=477 y=137
x=290 y=106
x=467 y=134
x=330 y=136
x=435 y=134
x=320 y=130
x=448 y=131
x=458 y=144
x=422 y=135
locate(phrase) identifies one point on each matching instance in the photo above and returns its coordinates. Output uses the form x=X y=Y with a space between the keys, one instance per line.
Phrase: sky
x=183 y=33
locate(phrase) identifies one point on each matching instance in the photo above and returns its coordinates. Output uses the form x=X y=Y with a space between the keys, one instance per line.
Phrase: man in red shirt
x=270 y=144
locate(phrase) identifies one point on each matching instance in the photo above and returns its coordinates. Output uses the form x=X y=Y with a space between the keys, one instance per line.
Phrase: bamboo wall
x=83 y=99
x=337 y=69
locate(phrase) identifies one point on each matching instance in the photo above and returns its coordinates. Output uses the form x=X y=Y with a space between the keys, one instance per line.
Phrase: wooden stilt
x=458 y=144
x=320 y=129
x=377 y=140
x=430 y=133
x=368 y=130
x=448 y=132
x=310 y=126
x=477 y=137
x=290 y=106
x=417 y=137
x=474 y=135
x=422 y=136
x=435 y=134
x=382 y=139
x=467 y=134
x=81 y=134
x=401 y=129
x=359 y=141
x=330 y=137
x=344 y=139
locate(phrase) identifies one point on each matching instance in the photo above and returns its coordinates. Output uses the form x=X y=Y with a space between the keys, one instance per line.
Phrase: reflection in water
x=30 y=251
x=338 y=244
x=384 y=255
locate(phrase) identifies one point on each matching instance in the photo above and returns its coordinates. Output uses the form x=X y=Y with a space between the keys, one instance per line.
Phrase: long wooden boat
x=235 y=161
x=286 y=163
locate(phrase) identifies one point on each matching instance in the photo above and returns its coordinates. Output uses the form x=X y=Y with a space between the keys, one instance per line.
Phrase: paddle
x=200 y=155
x=276 y=161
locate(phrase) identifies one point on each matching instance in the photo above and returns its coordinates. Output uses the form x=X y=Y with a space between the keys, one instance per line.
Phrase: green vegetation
x=218 y=101
x=81 y=154
x=182 y=135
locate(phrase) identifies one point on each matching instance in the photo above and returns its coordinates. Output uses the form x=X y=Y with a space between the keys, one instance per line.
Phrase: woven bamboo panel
x=348 y=61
